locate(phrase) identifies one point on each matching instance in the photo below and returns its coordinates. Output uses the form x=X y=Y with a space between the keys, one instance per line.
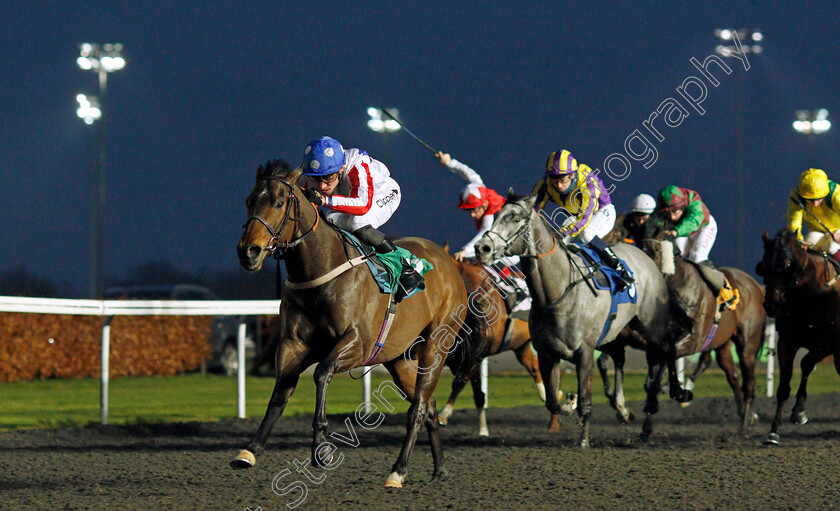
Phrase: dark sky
x=209 y=93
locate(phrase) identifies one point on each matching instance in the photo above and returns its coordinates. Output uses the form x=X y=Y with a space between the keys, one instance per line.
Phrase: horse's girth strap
x=323 y=279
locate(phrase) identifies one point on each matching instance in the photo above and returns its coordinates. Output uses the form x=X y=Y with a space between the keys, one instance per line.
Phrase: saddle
x=387 y=268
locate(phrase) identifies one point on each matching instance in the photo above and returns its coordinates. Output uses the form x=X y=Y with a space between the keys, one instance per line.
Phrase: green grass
x=193 y=397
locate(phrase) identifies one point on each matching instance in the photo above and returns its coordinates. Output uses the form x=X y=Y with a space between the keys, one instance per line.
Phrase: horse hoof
x=682 y=396
x=772 y=439
x=799 y=419
x=483 y=432
x=685 y=405
x=584 y=443
x=570 y=405
x=394 y=481
x=626 y=419
x=442 y=421
x=245 y=459
x=554 y=425
x=439 y=477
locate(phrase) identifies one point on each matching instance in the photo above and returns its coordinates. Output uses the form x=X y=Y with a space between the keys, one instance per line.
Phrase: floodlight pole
x=755 y=36
x=102 y=60
x=97 y=284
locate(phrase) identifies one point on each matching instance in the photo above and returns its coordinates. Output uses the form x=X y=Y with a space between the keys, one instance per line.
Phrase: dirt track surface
x=695 y=460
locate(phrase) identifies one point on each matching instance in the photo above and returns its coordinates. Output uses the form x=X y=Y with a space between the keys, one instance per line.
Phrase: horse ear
x=511 y=194
x=765 y=237
x=260 y=171
x=446 y=246
x=294 y=174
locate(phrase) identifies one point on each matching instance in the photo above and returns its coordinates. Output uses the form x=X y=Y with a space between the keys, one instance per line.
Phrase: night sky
x=209 y=93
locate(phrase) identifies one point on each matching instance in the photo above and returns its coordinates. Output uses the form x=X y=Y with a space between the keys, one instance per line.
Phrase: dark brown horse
x=803 y=294
x=333 y=321
x=743 y=327
x=476 y=279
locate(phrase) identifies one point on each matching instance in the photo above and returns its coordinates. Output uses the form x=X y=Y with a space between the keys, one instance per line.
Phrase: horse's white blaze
x=482 y=422
x=668 y=265
x=394 y=481
x=541 y=389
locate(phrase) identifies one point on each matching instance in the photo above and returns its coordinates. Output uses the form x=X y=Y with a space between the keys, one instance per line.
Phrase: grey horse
x=567 y=316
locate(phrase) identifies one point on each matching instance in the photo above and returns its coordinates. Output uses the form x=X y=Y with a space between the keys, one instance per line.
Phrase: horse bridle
x=526 y=227
x=274 y=245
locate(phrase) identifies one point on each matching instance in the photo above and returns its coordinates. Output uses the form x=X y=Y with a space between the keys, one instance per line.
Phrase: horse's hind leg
x=291 y=358
x=810 y=360
x=422 y=410
x=747 y=348
x=725 y=361
x=702 y=364
x=527 y=357
x=480 y=399
x=623 y=413
x=603 y=370
x=461 y=376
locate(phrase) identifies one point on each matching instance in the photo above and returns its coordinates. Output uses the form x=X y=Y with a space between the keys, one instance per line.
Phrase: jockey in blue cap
x=359 y=194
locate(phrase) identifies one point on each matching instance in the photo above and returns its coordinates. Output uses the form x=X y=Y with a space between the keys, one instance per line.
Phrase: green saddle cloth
x=393 y=263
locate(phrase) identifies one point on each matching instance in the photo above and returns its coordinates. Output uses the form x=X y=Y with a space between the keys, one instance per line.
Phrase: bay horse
x=332 y=319
x=567 y=320
x=743 y=327
x=803 y=294
x=475 y=278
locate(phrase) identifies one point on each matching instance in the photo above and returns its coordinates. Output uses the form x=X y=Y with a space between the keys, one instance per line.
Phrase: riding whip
x=415 y=137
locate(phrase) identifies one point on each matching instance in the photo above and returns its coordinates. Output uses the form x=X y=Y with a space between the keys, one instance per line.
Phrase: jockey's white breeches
x=696 y=246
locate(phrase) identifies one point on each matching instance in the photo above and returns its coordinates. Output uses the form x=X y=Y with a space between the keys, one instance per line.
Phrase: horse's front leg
x=584 y=362
x=345 y=356
x=653 y=384
x=797 y=416
x=291 y=358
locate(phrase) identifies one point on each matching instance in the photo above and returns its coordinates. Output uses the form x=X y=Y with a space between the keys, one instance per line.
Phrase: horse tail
x=475 y=331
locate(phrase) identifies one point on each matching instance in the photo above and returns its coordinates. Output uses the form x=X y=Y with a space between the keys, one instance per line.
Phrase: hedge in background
x=61 y=346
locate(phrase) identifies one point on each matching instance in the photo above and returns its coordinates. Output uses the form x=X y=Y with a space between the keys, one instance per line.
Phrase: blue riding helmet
x=322 y=157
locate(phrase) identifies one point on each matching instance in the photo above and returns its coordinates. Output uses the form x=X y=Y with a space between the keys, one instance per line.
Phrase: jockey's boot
x=409 y=278
x=613 y=262
x=725 y=296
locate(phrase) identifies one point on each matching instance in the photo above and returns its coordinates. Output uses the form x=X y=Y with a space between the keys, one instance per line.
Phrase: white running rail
x=110 y=308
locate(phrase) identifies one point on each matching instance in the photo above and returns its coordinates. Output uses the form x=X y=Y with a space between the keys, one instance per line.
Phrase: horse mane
x=274 y=168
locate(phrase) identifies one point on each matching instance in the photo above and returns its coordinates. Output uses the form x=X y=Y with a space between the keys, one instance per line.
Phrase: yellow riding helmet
x=813 y=184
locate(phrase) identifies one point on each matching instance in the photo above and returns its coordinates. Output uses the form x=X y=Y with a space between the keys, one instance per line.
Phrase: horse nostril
x=253 y=251
x=485 y=249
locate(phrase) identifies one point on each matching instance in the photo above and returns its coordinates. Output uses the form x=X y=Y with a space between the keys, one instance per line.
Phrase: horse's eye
x=517 y=218
x=279 y=204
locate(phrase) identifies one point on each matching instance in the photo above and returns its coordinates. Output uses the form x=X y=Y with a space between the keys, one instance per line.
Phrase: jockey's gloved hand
x=314 y=196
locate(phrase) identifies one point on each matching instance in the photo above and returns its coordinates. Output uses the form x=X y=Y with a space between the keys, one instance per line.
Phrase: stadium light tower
x=377 y=124
x=811 y=123
x=750 y=41
x=102 y=60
